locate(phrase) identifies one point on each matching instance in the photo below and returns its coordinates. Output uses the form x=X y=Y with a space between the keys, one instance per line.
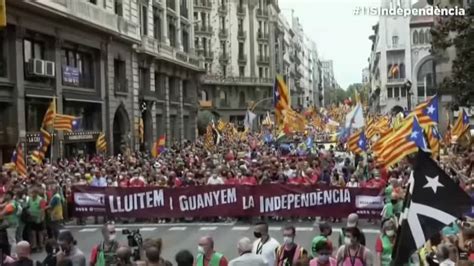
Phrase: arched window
x=204 y=96
x=415 y=37
x=223 y=97
x=428 y=36
x=424 y=77
x=422 y=37
x=402 y=70
x=242 y=98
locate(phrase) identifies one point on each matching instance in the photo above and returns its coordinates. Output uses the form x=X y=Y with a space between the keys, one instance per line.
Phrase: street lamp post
x=408 y=90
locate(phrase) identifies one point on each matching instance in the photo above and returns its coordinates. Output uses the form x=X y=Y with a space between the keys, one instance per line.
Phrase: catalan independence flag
x=158 y=146
x=19 y=161
x=427 y=112
x=101 y=143
x=281 y=99
x=405 y=143
x=48 y=118
x=141 y=130
x=434 y=139
x=45 y=140
x=66 y=123
x=357 y=142
x=461 y=125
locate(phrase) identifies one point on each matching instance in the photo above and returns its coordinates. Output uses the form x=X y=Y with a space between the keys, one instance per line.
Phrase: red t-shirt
x=378 y=245
x=298 y=181
x=137 y=182
x=178 y=182
x=123 y=183
x=248 y=180
x=231 y=181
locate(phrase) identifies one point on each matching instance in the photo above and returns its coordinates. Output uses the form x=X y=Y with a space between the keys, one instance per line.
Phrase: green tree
x=457 y=31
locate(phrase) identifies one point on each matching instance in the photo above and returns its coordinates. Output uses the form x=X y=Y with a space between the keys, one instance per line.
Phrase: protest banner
x=226 y=201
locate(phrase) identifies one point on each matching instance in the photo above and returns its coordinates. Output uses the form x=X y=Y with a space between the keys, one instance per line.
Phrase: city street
x=186 y=235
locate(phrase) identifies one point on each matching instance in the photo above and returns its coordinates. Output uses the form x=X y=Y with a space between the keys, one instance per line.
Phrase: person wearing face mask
x=69 y=250
x=290 y=252
x=105 y=252
x=322 y=251
x=384 y=243
x=353 y=182
x=246 y=258
x=353 y=253
x=264 y=245
x=207 y=256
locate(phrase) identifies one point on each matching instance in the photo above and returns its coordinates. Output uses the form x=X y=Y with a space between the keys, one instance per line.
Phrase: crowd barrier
x=226 y=201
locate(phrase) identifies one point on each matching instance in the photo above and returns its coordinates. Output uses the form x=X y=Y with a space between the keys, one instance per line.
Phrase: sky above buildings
x=339 y=34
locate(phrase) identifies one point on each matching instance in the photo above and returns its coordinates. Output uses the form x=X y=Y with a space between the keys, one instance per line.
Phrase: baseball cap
x=352 y=220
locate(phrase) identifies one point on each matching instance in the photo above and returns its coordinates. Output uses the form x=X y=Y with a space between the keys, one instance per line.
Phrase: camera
x=135 y=242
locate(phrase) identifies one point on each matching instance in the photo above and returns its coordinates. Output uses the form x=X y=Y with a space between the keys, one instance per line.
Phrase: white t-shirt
x=267 y=250
x=215 y=181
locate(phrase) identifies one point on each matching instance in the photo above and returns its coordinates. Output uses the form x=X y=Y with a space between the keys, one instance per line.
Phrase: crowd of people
x=34 y=209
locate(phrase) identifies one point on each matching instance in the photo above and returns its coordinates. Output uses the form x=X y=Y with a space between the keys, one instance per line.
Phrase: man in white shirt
x=215 y=180
x=247 y=258
x=265 y=245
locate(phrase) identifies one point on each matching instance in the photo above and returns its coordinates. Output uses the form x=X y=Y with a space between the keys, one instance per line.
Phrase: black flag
x=433 y=201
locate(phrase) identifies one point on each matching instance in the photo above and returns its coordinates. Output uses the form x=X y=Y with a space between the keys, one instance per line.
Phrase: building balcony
x=263 y=60
x=184 y=11
x=262 y=13
x=222 y=9
x=224 y=58
x=149 y=45
x=171 y=4
x=241 y=11
x=203 y=4
x=223 y=34
x=205 y=104
x=241 y=35
x=208 y=55
x=396 y=47
x=242 y=59
x=172 y=54
x=249 y=81
x=92 y=15
x=203 y=29
x=394 y=81
x=262 y=37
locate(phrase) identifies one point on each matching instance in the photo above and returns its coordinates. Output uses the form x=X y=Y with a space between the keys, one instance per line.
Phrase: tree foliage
x=458 y=32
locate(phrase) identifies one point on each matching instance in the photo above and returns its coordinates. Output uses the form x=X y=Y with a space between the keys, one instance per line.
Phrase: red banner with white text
x=226 y=201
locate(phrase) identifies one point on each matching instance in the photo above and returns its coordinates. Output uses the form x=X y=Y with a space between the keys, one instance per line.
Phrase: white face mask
x=200 y=250
x=390 y=232
x=112 y=237
x=347 y=241
x=287 y=240
x=353 y=180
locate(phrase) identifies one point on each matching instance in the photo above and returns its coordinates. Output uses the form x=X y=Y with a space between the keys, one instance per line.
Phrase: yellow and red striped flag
x=101 y=143
x=158 y=146
x=48 y=119
x=141 y=130
x=281 y=99
x=461 y=125
x=19 y=161
x=66 y=123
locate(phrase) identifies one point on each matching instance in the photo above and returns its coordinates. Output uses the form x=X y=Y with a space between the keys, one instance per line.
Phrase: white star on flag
x=414 y=134
x=361 y=142
x=433 y=183
x=430 y=109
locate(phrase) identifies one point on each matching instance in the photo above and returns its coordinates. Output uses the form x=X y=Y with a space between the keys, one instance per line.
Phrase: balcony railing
x=262 y=36
x=205 y=4
x=241 y=34
x=171 y=4
x=224 y=58
x=263 y=59
x=241 y=11
x=223 y=33
x=222 y=9
x=121 y=85
x=203 y=29
x=218 y=79
x=262 y=12
x=242 y=58
x=209 y=55
x=184 y=11
x=396 y=80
